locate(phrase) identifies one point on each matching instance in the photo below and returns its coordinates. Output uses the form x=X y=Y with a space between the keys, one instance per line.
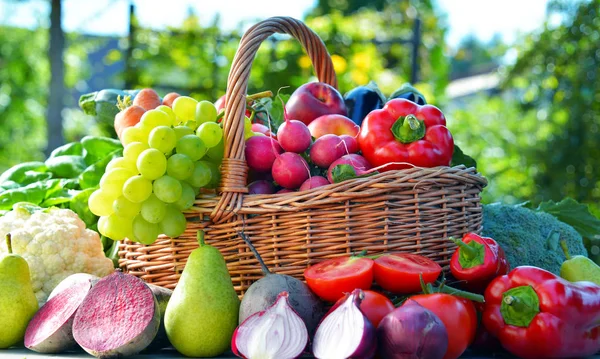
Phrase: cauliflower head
x=55 y=243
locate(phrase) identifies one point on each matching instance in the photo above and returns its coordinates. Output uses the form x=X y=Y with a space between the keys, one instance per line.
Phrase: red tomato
x=459 y=317
x=334 y=277
x=375 y=306
x=399 y=272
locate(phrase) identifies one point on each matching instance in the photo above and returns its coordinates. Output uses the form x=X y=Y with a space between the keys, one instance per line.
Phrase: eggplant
x=362 y=100
x=407 y=91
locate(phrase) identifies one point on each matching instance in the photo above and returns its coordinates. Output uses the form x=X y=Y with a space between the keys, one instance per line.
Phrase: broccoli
x=529 y=237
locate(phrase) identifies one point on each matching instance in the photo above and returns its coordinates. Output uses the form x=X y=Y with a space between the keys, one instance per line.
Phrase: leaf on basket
x=459 y=158
x=345 y=172
x=274 y=108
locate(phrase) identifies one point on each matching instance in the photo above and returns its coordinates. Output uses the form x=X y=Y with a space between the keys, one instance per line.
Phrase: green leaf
x=97 y=148
x=79 y=205
x=34 y=193
x=59 y=198
x=18 y=173
x=345 y=172
x=73 y=148
x=67 y=166
x=91 y=176
x=575 y=214
x=459 y=158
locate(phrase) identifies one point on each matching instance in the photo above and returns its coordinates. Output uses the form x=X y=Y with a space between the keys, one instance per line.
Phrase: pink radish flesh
x=119 y=317
x=261 y=153
x=351 y=144
x=294 y=136
x=290 y=170
x=327 y=149
x=51 y=329
x=314 y=182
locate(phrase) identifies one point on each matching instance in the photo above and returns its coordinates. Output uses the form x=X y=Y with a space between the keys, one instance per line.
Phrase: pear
x=18 y=303
x=579 y=268
x=202 y=313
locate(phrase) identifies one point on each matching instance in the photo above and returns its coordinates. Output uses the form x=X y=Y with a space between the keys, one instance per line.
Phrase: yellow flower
x=304 y=62
x=339 y=63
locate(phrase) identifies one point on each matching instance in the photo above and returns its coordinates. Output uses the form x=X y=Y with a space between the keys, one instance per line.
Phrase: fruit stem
x=565 y=248
x=430 y=289
x=9 y=243
x=259 y=95
x=264 y=267
x=200 y=237
x=467 y=251
x=123 y=103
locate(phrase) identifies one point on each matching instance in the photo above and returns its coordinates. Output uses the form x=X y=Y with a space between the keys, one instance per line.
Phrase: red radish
x=261 y=187
x=169 y=98
x=359 y=164
x=277 y=332
x=290 y=170
x=147 y=99
x=285 y=190
x=294 y=136
x=119 y=317
x=314 y=182
x=261 y=152
x=260 y=128
x=51 y=329
x=345 y=332
x=351 y=144
x=128 y=117
x=327 y=149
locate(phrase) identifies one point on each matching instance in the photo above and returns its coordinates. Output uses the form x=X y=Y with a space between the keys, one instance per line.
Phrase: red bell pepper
x=536 y=314
x=404 y=133
x=477 y=261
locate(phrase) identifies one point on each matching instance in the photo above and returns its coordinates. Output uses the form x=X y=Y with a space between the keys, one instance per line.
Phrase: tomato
x=375 y=306
x=459 y=317
x=399 y=272
x=332 y=278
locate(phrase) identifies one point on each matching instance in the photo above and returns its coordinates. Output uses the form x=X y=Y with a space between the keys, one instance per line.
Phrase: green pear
x=202 y=313
x=579 y=268
x=18 y=303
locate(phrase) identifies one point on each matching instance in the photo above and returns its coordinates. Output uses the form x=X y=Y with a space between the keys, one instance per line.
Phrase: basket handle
x=234 y=170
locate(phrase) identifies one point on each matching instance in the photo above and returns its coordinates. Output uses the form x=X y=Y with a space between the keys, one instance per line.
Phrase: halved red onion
x=275 y=333
x=346 y=332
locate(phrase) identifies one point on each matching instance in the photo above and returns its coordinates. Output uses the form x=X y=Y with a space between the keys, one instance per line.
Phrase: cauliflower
x=55 y=243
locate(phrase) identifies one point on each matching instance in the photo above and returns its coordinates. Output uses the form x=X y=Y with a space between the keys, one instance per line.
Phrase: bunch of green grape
x=167 y=158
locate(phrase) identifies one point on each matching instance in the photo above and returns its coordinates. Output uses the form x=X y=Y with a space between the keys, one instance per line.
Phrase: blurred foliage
x=474 y=56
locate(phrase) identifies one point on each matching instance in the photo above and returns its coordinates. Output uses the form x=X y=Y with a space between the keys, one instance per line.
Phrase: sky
x=483 y=18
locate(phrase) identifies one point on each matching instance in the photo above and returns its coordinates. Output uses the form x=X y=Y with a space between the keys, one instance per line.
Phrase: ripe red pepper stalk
x=477 y=261
x=537 y=314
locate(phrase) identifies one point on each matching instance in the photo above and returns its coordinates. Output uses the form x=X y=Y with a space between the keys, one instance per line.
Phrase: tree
x=57 y=78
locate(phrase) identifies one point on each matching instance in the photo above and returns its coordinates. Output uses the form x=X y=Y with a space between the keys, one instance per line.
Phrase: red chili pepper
x=405 y=132
x=536 y=314
x=477 y=261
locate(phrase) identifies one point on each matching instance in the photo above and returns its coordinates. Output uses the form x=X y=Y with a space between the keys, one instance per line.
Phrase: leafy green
x=67 y=166
x=18 y=173
x=274 y=108
x=34 y=193
x=345 y=172
x=459 y=158
x=79 y=205
x=73 y=148
x=91 y=176
x=97 y=148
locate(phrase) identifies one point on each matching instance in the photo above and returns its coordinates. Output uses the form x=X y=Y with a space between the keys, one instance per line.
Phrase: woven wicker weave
x=413 y=210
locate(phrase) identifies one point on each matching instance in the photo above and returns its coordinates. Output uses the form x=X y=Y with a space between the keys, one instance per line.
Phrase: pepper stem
x=519 y=306
x=200 y=237
x=466 y=250
x=408 y=129
x=565 y=249
x=9 y=243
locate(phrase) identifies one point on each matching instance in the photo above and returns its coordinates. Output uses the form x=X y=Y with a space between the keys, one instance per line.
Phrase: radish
x=314 y=182
x=327 y=149
x=351 y=144
x=290 y=170
x=147 y=99
x=119 y=317
x=169 y=98
x=261 y=152
x=128 y=117
x=261 y=187
x=260 y=128
x=294 y=136
x=285 y=190
x=72 y=280
x=347 y=167
x=51 y=329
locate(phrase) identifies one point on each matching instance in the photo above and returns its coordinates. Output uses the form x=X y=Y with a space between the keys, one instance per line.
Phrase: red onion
x=412 y=332
x=346 y=332
x=276 y=333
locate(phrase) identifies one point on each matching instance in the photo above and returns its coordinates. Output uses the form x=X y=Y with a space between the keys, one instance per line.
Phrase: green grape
x=153 y=209
x=125 y=208
x=144 y=131
x=193 y=125
x=162 y=138
x=206 y=112
x=201 y=175
x=191 y=146
x=173 y=225
x=132 y=151
x=112 y=181
x=100 y=203
x=152 y=163
x=167 y=189
x=247 y=124
x=184 y=108
x=181 y=131
x=215 y=174
x=180 y=166
x=118 y=228
x=102 y=225
x=188 y=196
x=210 y=133
x=215 y=154
x=120 y=162
x=137 y=189
x=132 y=134
x=144 y=231
x=166 y=109
x=155 y=118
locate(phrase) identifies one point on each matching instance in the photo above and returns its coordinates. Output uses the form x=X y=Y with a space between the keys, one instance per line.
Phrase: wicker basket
x=413 y=210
